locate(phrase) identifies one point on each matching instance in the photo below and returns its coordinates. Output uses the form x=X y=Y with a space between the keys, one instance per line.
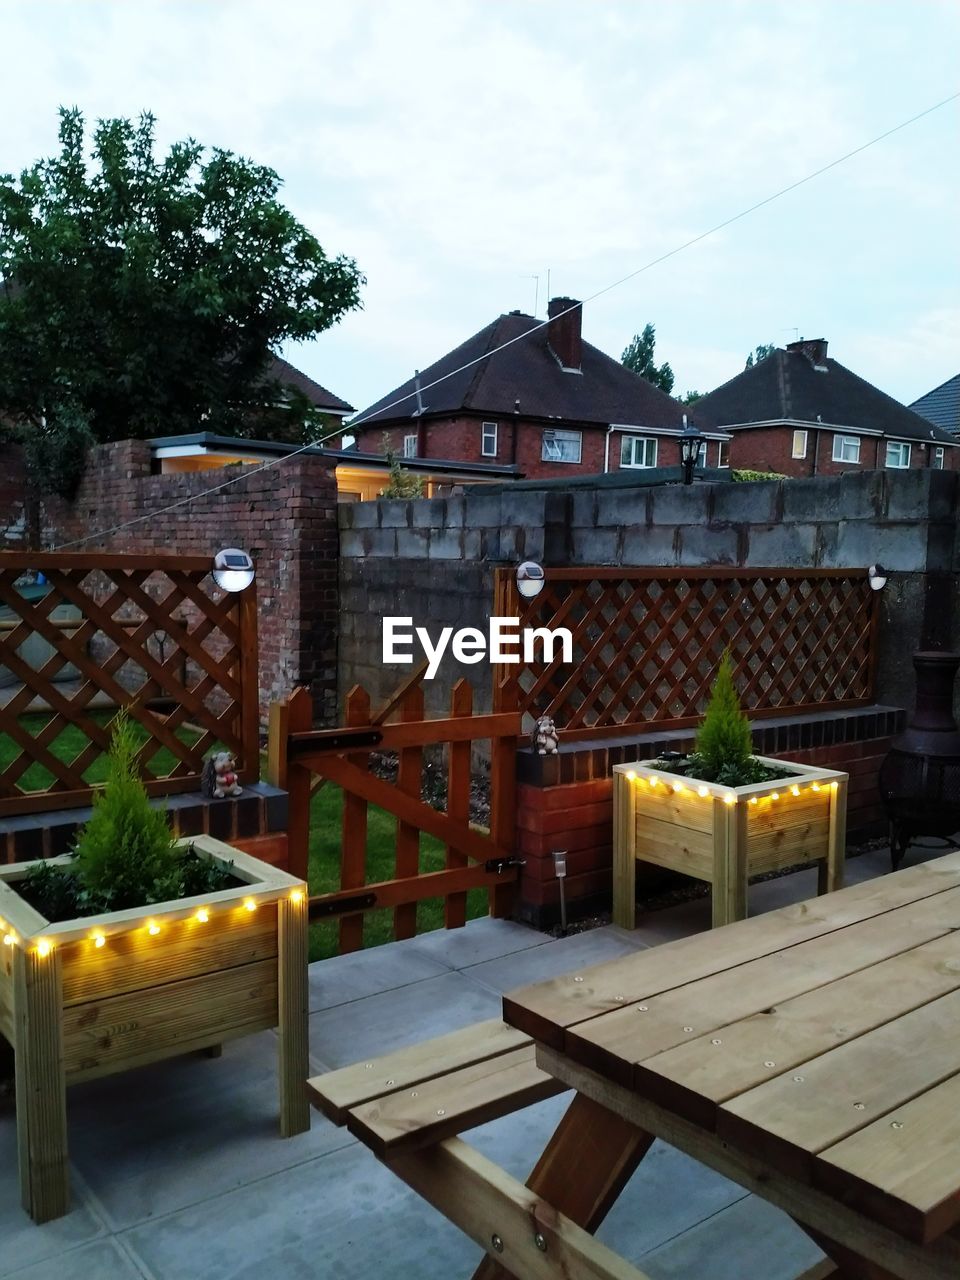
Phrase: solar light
x=877 y=576
x=530 y=579
x=560 y=866
x=232 y=569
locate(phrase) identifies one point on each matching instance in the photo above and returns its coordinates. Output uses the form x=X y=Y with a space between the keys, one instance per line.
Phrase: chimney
x=563 y=332
x=815 y=349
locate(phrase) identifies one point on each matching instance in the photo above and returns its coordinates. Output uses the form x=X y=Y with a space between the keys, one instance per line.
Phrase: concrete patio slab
x=390 y=1019
x=103 y=1260
x=365 y=973
x=343 y=1216
x=151 y=1141
x=561 y=956
x=484 y=940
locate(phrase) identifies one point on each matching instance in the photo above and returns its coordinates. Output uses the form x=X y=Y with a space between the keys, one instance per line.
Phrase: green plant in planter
x=724 y=740
x=126 y=855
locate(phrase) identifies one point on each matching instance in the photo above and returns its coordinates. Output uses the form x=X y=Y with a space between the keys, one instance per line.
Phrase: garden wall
x=285 y=517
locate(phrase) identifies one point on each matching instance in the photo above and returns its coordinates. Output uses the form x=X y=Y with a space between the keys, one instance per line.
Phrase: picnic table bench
x=811 y=1054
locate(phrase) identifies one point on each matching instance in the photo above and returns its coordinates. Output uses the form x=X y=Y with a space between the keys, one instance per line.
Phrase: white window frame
x=647 y=452
x=410 y=446
x=799 y=448
x=839 y=447
x=723 y=453
x=701 y=461
x=553 y=439
x=939 y=457
x=488 y=435
x=900 y=446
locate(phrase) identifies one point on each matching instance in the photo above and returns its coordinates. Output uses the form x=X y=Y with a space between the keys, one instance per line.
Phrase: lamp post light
x=232 y=569
x=690 y=442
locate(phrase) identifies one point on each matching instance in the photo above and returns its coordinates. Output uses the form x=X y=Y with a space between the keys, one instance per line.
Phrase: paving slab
x=371 y=1027
x=750 y=1238
x=22 y=1242
x=151 y=1141
x=343 y=1216
x=560 y=956
x=102 y=1260
x=365 y=973
x=479 y=941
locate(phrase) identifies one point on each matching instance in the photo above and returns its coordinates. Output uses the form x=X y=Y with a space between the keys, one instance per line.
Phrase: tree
x=691 y=397
x=402 y=484
x=145 y=295
x=639 y=357
x=761 y=352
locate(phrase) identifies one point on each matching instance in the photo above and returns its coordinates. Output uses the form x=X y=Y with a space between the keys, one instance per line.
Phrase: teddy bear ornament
x=544 y=738
x=219 y=776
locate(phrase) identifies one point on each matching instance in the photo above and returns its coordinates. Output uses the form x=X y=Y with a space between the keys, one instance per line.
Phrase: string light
x=774 y=795
x=153 y=928
x=99 y=940
x=203 y=915
x=703 y=791
x=753 y=800
x=250 y=904
x=296 y=895
x=44 y=947
x=815 y=787
x=631 y=775
x=794 y=790
x=728 y=797
x=9 y=939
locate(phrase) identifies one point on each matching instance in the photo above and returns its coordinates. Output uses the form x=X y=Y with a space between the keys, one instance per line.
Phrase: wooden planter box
x=725 y=835
x=87 y=998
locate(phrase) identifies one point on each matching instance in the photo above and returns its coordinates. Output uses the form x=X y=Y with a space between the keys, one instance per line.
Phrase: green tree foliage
x=691 y=397
x=402 y=484
x=724 y=742
x=638 y=356
x=759 y=353
x=146 y=293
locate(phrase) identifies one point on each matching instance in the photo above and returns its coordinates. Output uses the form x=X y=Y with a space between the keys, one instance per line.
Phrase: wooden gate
x=301 y=757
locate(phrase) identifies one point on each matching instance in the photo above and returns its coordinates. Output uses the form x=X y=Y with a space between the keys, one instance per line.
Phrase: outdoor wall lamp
x=690 y=443
x=530 y=579
x=232 y=569
x=877 y=576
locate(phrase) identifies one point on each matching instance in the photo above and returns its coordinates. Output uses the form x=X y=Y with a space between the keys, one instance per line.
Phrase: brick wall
x=771 y=449
x=285 y=517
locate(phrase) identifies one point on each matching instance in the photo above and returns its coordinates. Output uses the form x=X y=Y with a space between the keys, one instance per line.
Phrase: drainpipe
x=606 y=450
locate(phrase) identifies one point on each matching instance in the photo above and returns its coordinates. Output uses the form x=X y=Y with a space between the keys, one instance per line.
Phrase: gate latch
x=499 y=865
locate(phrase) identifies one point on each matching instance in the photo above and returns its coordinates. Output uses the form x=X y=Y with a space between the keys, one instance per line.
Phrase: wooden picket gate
x=300 y=757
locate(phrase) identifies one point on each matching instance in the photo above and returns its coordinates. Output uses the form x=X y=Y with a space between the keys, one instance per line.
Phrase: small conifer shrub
x=126 y=855
x=724 y=738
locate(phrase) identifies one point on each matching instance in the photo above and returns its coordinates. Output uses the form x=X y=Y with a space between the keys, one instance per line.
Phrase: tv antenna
x=536 y=291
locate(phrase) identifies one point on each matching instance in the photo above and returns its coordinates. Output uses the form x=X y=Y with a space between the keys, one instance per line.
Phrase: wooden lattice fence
x=149 y=633
x=647 y=643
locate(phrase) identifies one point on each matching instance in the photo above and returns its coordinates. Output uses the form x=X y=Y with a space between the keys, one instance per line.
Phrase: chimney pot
x=563 y=332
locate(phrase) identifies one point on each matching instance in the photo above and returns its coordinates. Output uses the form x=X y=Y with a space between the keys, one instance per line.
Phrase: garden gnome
x=544 y=737
x=219 y=776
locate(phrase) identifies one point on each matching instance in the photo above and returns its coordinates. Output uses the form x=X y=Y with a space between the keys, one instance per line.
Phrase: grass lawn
x=68 y=744
x=326 y=818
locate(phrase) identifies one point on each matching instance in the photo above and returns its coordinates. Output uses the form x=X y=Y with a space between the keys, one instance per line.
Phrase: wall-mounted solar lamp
x=877 y=576
x=530 y=579
x=690 y=442
x=232 y=569
x=560 y=866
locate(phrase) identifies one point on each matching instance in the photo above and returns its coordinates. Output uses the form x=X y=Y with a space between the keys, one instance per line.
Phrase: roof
x=786 y=387
x=527 y=371
x=942 y=405
x=320 y=397
x=209 y=442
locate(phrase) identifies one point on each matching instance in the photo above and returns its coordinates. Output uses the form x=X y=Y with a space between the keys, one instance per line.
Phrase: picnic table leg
x=583 y=1169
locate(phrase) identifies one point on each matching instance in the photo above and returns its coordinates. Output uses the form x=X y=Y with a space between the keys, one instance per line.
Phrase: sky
x=458 y=149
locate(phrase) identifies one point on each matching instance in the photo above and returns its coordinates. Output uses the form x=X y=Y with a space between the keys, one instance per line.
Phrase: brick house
x=549 y=404
x=942 y=405
x=800 y=413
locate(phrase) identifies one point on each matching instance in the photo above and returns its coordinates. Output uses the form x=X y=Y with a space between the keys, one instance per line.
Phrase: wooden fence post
x=299 y=718
x=458 y=799
x=353 y=854
x=409 y=781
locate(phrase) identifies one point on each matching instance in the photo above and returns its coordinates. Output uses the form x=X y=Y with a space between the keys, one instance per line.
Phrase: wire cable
x=632 y=275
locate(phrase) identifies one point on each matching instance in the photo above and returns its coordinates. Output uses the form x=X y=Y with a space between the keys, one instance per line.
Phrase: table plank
x=905 y=1167
x=698 y=1076
x=790 y=1119
x=544 y=1010
x=615 y=1042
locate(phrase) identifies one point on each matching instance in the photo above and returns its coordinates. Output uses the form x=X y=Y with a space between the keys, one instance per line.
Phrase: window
x=800 y=445
x=409 y=446
x=898 y=454
x=938 y=458
x=638 y=451
x=723 y=453
x=701 y=455
x=488 y=440
x=561 y=446
x=846 y=448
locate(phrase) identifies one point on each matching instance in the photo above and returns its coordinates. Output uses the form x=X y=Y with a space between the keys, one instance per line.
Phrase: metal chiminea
x=920 y=778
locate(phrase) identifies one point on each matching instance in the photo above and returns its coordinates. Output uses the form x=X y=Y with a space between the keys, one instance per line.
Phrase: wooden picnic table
x=811 y=1054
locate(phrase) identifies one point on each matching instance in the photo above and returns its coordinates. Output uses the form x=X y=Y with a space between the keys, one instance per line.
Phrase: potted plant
x=722 y=814
x=136 y=947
